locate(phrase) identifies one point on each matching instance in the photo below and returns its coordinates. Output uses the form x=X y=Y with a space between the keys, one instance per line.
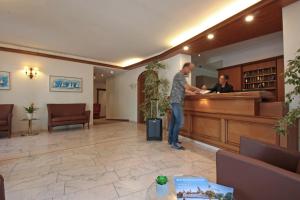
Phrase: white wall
x=25 y=91
x=266 y=46
x=122 y=89
x=291 y=39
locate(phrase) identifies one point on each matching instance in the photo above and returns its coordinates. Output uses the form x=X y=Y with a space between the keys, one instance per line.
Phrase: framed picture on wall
x=4 y=80
x=65 y=84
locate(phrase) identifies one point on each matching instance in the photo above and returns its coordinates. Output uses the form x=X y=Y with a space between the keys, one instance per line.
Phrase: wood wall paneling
x=236 y=129
x=206 y=127
x=246 y=107
x=280 y=79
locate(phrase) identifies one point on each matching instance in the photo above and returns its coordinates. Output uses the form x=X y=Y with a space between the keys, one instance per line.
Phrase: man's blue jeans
x=176 y=122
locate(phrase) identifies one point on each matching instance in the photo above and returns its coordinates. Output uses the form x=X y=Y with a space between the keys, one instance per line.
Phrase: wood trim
x=178 y=49
x=121 y=120
x=46 y=55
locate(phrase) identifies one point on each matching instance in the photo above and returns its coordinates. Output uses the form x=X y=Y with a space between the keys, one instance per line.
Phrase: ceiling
x=102 y=73
x=110 y=31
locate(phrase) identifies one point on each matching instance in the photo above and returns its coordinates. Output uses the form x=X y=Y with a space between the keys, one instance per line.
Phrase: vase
x=162 y=190
x=29 y=116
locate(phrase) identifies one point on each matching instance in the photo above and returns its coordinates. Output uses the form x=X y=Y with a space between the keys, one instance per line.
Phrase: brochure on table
x=198 y=188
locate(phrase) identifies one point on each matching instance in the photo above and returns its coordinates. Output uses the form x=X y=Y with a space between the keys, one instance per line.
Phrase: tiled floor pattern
x=107 y=162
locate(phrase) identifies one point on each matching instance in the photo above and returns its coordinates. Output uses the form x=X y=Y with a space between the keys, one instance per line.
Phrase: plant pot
x=162 y=190
x=29 y=116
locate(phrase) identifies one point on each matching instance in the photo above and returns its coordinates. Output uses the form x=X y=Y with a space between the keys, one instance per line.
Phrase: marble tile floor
x=107 y=162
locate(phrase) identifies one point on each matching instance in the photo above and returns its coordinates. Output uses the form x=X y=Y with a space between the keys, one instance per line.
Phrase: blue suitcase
x=154 y=129
x=154 y=124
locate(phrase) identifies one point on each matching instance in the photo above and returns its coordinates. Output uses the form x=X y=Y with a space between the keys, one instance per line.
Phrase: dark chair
x=96 y=110
x=6 y=118
x=67 y=114
x=2 y=190
x=260 y=171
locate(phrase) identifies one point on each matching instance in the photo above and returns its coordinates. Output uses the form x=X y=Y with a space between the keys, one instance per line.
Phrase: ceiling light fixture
x=186 y=48
x=199 y=54
x=112 y=72
x=249 y=18
x=210 y=36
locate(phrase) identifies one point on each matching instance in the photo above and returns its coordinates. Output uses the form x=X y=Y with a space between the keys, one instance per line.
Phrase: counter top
x=234 y=95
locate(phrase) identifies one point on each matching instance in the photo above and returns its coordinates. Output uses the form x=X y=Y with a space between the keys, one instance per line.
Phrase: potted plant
x=156 y=89
x=156 y=101
x=30 y=110
x=292 y=77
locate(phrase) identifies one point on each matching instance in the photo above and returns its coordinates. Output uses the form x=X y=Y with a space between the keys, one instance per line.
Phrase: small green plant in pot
x=30 y=110
x=292 y=78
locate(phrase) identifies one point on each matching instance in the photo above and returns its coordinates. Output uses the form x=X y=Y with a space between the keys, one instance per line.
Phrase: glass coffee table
x=170 y=193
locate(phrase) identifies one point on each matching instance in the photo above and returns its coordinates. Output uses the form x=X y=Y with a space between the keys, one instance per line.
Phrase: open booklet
x=198 y=188
x=203 y=92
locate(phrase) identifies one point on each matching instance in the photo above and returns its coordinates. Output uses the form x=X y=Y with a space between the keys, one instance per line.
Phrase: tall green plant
x=292 y=77
x=155 y=90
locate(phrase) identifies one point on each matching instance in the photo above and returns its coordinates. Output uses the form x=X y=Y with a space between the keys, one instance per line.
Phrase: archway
x=140 y=97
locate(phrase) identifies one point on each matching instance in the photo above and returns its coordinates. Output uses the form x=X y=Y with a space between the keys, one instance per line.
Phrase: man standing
x=179 y=88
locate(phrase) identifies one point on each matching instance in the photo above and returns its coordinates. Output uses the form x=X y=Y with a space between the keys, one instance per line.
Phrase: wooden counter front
x=221 y=119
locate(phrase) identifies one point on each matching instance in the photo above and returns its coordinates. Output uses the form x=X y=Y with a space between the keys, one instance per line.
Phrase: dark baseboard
x=123 y=120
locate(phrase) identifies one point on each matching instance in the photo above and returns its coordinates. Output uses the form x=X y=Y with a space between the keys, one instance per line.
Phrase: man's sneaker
x=177 y=146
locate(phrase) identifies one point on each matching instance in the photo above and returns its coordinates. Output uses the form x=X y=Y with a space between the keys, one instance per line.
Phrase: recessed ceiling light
x=223 y=11
x=249 y=18
x=199 y=54
x=186 y=48
x=210 y=36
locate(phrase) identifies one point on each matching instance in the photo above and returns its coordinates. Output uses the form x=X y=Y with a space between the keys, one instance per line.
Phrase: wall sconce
x=31 y=72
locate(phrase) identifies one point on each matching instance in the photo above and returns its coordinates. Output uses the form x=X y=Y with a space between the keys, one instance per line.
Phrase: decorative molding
x=46 y=55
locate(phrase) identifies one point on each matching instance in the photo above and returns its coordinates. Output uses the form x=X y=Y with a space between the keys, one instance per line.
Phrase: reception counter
x=221 y=119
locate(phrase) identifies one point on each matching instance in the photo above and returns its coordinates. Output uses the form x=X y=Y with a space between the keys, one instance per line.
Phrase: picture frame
x=65 y=84
x=5 y=82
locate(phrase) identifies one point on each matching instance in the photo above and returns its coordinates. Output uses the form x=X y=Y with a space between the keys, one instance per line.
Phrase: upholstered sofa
x=2 y=191
x=6 y=118
x=67 y=114
x=260 y=171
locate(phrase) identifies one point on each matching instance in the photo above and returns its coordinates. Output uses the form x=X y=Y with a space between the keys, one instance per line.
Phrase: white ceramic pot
x=29 y=116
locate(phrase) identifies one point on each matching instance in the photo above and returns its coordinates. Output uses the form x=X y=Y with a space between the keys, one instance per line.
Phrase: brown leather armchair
x=6 y=118
x=67 y=114
x=260 y=171
x=2 y=191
